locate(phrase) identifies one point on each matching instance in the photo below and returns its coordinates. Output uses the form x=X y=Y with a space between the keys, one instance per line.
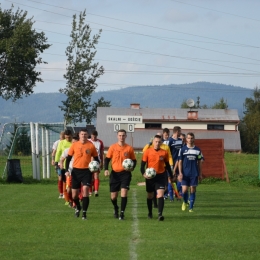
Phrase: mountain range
x=44 y=107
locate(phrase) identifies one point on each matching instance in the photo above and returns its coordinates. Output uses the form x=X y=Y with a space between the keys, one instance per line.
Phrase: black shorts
x=120 y=180
x=79 y=176
x=156 y=183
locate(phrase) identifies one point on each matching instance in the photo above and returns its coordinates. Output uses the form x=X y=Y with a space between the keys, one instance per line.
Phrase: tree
x=20 y=49
x=250 y=124
x=82 y=73
x=222 y=104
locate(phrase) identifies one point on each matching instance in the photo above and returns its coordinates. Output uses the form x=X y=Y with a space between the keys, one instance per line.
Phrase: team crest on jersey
x=88 y=151
x=161 y=158
x=126 y=154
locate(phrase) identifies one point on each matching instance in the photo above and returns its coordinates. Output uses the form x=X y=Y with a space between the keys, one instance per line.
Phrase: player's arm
x=200 y=169
x=53 y=156
x=68 y=159
x=180 y=170
x=96 y=159
x=168 y=168
x=106 y=163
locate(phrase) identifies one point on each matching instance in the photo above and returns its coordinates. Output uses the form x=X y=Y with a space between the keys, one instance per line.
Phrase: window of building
x=151 y=125
x=215 y=127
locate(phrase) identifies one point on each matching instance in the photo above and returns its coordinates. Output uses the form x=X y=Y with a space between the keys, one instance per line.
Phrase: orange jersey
x=82 y=154
x=118 y=154
x=156 y=159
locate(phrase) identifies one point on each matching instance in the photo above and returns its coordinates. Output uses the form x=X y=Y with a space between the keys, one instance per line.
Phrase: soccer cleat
x=84 y=215
x=191 y=210
x=77 y=211
x=184 y=206
x=161 y=218
x=122 y=217
x=67 y=203
x=96 y=194
x=60 y=196
x=150 y=215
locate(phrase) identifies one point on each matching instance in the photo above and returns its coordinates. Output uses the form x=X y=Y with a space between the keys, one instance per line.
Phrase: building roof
x=173 y=113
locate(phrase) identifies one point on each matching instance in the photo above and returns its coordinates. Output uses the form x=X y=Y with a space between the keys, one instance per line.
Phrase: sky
x=153 y=42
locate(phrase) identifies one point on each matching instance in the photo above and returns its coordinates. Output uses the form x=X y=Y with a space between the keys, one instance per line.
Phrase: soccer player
x=175 y=144
x=165 y=136
x=100 y=150
x=57 y=169
x=82 y=151
x=189 y=170
x=63 y=144
x=168 y=185
x=119 y=178
x=157 y=158
x=64 y=156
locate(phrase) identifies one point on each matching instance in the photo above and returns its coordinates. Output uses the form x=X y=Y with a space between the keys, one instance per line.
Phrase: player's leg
x=76 y=183
x=114 y=189
x=96 y=183
x=125 y=180
x=160 y=187
x=150 y=196
x=185 y=192
x=170 y=190
x=86 y=182
x=65 y=193
x=193 y=185
x=60 y=183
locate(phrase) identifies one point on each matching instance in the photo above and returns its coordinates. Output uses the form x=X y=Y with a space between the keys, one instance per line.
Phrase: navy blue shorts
x=190 y=181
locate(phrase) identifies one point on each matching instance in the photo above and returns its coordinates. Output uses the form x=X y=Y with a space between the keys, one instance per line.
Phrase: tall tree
x=20 y=49
x=222 y=104
x=82 y=73
x=250 y=124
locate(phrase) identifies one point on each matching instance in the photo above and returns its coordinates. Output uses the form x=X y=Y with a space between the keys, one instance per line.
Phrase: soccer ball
x=128 y=164
x=94 y=166
x=150 y=172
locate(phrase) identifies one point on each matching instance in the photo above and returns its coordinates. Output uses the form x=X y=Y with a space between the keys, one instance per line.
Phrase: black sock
x=114 y=202
x=150 y=205
x=85 y=203
x=160 y=205
x=123 y=204
x=76 y=201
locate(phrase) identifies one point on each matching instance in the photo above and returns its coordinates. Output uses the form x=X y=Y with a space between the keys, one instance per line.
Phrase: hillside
x=44 y=107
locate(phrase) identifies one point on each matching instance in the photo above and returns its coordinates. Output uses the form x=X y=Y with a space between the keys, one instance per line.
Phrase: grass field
x=225 y=223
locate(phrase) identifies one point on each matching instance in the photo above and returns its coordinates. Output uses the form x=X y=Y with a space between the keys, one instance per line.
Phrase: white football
x=150 y=172
x=94 y=166
x=128 y=164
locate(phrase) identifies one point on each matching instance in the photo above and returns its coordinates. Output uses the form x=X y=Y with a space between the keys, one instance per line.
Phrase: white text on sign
x=124 y=119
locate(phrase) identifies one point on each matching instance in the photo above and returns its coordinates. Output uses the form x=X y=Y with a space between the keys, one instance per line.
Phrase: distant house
x=204 y=123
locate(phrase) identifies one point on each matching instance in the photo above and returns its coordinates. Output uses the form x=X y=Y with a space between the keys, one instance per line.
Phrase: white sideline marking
x=135 y=230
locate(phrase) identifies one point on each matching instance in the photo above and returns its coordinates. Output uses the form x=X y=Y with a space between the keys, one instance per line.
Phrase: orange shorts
x=68 y=181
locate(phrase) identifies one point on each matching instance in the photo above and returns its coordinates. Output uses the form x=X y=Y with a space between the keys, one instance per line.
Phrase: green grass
x=35 y=224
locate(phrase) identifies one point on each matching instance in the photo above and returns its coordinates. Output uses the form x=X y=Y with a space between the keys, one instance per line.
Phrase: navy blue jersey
x=175 y=145
x=190 y=158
